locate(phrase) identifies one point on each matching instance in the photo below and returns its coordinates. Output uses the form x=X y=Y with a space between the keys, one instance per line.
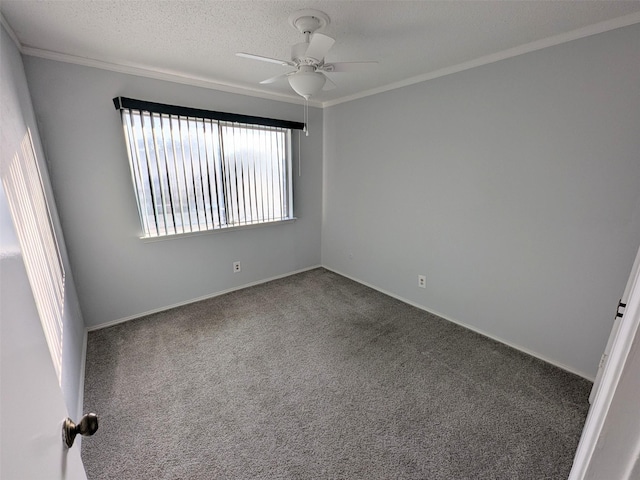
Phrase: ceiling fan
x=307 y=57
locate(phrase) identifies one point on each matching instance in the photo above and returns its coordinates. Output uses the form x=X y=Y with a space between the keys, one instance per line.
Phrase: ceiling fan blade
x=319 y=45
x=347 y=66
x=328 y=85
x=276 y=78
x=265 y=59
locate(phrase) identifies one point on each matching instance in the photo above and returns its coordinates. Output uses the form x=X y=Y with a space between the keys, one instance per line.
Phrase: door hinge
x=603 y=360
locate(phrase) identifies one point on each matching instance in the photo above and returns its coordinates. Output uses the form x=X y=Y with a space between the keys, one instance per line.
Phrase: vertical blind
x=191 y=173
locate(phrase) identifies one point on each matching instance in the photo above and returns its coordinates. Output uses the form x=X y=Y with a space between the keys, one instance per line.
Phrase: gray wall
x=33 y=404
x=118 y=275
x=514 y=187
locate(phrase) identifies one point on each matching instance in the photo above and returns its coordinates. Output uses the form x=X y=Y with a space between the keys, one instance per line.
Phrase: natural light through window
x=31 y=216
x=194 y=174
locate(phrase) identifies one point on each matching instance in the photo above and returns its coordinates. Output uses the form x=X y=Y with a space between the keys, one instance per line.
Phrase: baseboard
x=381 y=290
x=194 y=300
x=469 y=327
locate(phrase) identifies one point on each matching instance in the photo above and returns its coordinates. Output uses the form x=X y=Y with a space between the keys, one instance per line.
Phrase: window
x=195 y=170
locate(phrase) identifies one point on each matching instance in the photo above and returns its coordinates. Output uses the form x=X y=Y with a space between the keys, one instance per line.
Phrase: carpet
x=315 y=376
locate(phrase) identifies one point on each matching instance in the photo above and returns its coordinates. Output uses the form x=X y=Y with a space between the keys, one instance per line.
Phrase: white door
x=610 y=444
x=32 y=408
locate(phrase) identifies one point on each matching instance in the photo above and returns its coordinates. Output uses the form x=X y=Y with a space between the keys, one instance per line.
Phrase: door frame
x=623 y=342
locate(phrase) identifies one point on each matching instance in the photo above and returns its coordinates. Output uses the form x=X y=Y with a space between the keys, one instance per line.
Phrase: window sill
x=176 y=236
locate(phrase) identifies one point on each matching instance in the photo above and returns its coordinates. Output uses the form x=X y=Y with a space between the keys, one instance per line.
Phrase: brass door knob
x=88 y=426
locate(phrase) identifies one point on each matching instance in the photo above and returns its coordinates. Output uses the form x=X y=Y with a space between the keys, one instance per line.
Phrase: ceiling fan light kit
x=307 y=82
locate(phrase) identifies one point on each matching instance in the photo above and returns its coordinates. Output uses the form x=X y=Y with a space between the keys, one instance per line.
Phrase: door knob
x=88 y=426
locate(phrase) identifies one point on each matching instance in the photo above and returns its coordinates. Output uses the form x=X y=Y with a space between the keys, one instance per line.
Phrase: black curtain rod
x=130 y=103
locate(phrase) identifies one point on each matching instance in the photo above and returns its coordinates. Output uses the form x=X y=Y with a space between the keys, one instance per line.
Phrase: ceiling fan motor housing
x=298 y=56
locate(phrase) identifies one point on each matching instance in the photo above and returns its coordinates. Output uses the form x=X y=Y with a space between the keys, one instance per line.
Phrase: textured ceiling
x=196 y=40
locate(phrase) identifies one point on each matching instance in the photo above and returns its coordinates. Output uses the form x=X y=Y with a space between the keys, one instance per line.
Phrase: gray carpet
x=315 y=376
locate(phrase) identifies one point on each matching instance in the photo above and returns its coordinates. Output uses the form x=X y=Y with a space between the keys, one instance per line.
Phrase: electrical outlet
x=422 y=281
x=236 y=267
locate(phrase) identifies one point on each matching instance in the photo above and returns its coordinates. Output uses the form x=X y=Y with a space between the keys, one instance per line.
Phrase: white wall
x=514 y=187
x=33 y=405
x=118 y=275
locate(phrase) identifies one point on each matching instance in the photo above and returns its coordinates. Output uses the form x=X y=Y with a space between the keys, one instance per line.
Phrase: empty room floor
x=317 y=376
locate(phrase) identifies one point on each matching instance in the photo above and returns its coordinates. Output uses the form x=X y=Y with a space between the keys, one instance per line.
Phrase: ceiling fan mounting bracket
x=308 y=20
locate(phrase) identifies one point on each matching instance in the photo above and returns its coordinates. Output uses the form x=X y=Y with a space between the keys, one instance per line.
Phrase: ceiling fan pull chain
x=299 y=155
x=306 y=116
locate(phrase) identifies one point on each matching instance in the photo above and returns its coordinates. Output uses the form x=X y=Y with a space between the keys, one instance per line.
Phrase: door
x=616 y=327
x=32 y=406
x=610 y=442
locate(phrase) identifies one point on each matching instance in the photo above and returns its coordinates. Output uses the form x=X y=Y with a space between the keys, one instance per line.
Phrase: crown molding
x=186 y=79
x=162 y=74
x=12 y=34
x=587 y=31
